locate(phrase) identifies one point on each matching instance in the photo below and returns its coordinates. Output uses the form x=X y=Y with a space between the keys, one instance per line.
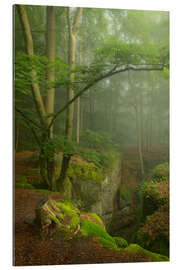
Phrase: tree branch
x=28 y=119
x=112 y=72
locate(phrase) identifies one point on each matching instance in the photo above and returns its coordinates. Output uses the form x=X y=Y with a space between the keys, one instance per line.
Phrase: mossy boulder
x=121 y=242
x=154 y=233
x=161 y=171
x=92 y=188
x=136 y=249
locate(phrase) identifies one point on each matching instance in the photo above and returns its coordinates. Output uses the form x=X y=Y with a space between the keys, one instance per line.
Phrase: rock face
x=94 y=190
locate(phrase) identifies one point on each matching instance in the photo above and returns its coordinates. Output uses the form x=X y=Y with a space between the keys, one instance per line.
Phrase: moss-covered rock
x=154 y=233
x=135 y=249
x=85 y=171
x=121 y=242
x=92 y=229
x=161 y=171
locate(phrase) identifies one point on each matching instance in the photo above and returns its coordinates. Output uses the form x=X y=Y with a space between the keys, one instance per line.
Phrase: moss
x=134 y=248
x=64 y=214
x=23 y=180
x=45 y=191
x=65 y=189
x=26 y=186
x=85 y=171
x=89 y=228
x=161 y=171
x=96 y=218
x=121 y=242
x=108 y=244
x=67 y=208
x=149 y=218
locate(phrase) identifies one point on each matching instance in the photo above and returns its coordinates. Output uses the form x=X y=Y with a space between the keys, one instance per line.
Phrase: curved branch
x=112 y=72
x=28 y=119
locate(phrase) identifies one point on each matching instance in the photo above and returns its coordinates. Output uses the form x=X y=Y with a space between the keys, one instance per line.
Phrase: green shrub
x=100 y=140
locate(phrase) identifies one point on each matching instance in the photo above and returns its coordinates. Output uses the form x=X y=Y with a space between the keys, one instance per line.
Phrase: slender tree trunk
x=73 y=27
x=138 y=125
x=30 y=50
x=47 y=169
x=50 y=53
x=139 y=135
x=49 y=99
x=78 y=121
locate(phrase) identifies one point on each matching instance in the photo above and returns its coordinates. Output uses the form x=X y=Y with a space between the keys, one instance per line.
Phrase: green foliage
x=121 y=53
x=98 y=140
x=59 y=144
x=161 y=172
x=101 y=159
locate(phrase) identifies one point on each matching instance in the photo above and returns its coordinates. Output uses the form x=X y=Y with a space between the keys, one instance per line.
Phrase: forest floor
x=30 y=249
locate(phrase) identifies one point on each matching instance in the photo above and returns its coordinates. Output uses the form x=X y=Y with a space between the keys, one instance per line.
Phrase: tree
x=72 y=27
x=112 y=58
x=43 y=109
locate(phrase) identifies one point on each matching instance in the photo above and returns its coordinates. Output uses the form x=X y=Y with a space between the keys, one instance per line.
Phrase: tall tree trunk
x=46 y=165
x=73 y=27
x=50 y=74
x=138 y=125
x=78 y=121
x=50 y=53
x=30 y=50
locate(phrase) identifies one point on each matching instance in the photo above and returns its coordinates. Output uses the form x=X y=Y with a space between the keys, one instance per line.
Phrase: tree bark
x=72 y=27
x=50 y=74
x=30 y=50
x=78 y=121
x=47 y=168
x=50 y=53
x=138 y=125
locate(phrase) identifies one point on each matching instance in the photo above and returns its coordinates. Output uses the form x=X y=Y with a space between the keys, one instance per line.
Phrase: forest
x=91 y=135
